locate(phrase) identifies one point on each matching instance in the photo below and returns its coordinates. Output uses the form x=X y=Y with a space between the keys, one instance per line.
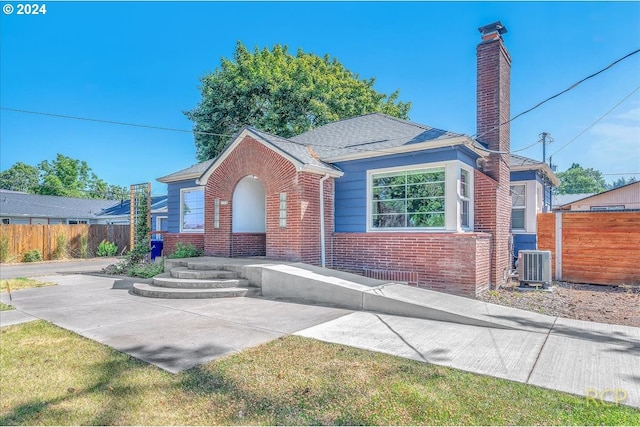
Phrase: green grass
x=53 y=376
x=22 y=283
x=5 y=307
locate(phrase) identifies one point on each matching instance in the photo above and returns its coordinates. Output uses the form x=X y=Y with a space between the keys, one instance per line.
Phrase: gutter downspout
x=322 y=238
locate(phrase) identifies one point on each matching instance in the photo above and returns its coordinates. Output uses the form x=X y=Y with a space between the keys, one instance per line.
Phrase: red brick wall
x=171 y=239
x=299 y=240
x=248 y=244
x=493 y=114
x=455 y=263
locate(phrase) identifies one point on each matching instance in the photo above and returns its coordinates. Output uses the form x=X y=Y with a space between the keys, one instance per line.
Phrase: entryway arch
x=248 y=218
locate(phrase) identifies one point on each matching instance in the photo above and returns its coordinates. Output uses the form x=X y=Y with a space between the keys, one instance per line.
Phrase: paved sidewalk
x=572 y=356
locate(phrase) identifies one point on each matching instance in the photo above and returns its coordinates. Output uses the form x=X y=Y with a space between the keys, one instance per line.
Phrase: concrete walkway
x=578 y=357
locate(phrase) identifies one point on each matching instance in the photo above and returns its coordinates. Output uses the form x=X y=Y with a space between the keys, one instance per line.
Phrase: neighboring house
x=623 y=198
x=23 y=208
x=119 y=214
x=373 y=194
x=531 y=193
x=565 y=199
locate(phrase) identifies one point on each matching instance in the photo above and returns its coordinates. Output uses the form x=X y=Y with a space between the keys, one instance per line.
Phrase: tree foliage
x=20 y=177
x=63 y=176
x=282 y=94
x=577 y=180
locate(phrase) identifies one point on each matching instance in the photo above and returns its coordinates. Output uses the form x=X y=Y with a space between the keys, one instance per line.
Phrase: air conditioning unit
x=534 y=267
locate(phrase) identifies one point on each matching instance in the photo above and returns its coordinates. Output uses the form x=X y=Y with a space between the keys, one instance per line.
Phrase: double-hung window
x=518 y=206
x=192 y=210
x=465 y=198
x=408 y=199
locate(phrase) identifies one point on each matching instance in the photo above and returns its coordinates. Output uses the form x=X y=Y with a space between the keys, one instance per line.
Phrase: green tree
x=577 y=179
x=20 y=177
x=621 y=181
x=283 y=94
x=69 y=177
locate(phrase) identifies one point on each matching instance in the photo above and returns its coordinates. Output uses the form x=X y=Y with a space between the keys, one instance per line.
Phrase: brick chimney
x=493 y=111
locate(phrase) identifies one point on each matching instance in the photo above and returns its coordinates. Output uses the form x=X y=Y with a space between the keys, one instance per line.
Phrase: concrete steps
x=195 y=280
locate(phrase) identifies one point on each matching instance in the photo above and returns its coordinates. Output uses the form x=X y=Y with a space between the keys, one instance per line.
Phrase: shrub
x=62 y=247
x=4 y=249
x=185 y=251
x=32 y=256
x=106 y=248
x=146 y=269
x=84 y=246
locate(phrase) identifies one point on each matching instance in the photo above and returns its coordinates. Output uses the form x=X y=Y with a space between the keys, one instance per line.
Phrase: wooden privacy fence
x=592 y=247
x=15 y=239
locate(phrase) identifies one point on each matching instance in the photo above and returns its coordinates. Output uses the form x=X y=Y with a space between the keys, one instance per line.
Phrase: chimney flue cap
x=492 y=31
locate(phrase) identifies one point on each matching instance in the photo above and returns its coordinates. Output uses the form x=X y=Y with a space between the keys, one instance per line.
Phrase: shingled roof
x=16 y=204
x=373 y=132
x=370 y=134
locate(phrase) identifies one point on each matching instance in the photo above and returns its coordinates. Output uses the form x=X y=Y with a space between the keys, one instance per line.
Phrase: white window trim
x=522 y=207
x=470 y=199
x=182 y=191
x=451 y=200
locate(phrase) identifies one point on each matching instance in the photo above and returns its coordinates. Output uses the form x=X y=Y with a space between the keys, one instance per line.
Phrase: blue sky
x=139 y=62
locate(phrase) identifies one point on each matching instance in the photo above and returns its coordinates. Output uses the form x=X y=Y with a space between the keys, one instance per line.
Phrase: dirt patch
x=618 y=305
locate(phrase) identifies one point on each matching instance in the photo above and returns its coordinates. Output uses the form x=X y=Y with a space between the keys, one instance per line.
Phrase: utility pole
x=544 y=136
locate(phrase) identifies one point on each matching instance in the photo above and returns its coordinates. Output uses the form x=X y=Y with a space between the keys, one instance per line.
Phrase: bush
x=84 y=246
x=32 y=256
x=146 y=269
x=62 y=248
x=106 y=249
x=185 y=251
x=4 y=249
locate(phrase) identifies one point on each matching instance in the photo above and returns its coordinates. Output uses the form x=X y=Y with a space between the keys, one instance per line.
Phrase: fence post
x=558 y=246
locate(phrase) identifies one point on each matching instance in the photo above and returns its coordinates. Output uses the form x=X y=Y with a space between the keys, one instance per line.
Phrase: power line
x=558 y=94
x=476 y=136
x=594 y=123
x=112 y=122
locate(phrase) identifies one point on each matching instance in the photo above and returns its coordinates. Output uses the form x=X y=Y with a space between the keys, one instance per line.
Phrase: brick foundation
x=248 y=244
x=454 y=263
x=171 y=239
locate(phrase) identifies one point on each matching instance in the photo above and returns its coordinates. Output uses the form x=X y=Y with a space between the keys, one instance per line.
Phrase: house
x=565 y=199
x=532 y=183
x=23 y=208
x=623 y=198
x=119 y=213
x=376 y=195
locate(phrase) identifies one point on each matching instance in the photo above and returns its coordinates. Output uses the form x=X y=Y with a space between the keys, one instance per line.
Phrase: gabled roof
x=586 y=197
x=158 y=204
x=34 y=205
x=521 y=163
x=192 y=172
x=373 y=134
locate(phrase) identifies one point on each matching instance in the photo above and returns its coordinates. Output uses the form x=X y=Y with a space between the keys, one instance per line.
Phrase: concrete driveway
x=583 y=358
x=172 y=334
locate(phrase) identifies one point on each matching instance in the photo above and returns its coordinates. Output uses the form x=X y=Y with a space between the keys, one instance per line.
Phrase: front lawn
x=53 y=376
x=22 y=283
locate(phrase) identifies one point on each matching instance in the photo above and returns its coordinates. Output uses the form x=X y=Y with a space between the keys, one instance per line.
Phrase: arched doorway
x=248 y=218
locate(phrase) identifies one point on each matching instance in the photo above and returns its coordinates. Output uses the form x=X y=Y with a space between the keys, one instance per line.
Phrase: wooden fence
x=15 y=239
x=592 y=247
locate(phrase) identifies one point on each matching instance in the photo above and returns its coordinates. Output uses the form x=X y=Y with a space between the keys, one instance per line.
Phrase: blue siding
x=173 y=203
x=351 y=189
x=524 y=242
x=525 y=176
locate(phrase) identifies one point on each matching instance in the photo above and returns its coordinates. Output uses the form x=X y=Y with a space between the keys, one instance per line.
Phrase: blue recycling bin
x=156 y=248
